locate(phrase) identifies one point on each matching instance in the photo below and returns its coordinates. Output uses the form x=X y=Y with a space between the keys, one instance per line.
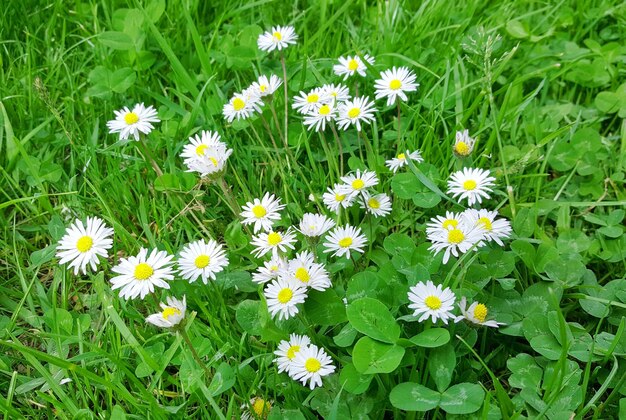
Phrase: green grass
x=538 y=83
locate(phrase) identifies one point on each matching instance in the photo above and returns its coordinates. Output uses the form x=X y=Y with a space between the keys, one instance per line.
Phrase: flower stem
x=228 y=195
x=339 y=146
x=275 y=117
x=147 y=155
x=197 y=358
x=399 y=136
x=282 y=62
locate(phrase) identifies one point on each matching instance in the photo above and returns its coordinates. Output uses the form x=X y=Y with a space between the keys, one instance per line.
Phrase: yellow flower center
x=302 y=274
x=433 y=302
x=84 y=243
x=262 y=88
x=274 y=238
x=202 y=261
x=462 y=148
x=353 y=65
x=200 y=149
x=354 y=112
x=340 y=197
x=277 y=36
x=169 y=311
x=345 y=242
x=143 y=271
x=324 y=110
x=312 y=365
x=480 y=312
x=469 y=185
x=373 y=203
x=274 y=268
x=291 y=353
x=455 y=236
x=261 y=408
x=395 y=84
x=131 y=118
x=450 y=222
x=357 y=184
x=213 y=161
x=485 y=222
x=401 y=156
x=238 y=104
x=259 y=211
x=312 y=98
x=285 y=295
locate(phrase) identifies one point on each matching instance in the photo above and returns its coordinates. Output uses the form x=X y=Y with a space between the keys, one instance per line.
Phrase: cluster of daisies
x=206 y=154
x=303 y=361
x=356 y=188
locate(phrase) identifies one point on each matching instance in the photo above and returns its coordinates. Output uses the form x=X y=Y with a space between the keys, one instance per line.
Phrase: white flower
x=205 y=153
x=401 y=160
x=311 y=364
x=313 y=225
x=278 y=38
x=82 y=244
x=473 y=184
x=355 y=111
x=282 y=297
x=432 y=301
x=439 y=223
x=358 y=183
x=259 y=409
x=199 y=144
x=262 y=213
x=335 y=93
x=266 y=87
x=464 y=144
x=476 y=313
x=455 y=239
x=241 y=106
x=287 y=351
x=129 y=122
x=350 y=65
x=270 y=270
x=273 y=241
x=378 y=205
x=308 y=102
x=212 y=162
x=172 y=313
x=394 y=83
x=342 y=240
x=305 y=271
x=492 y=229
x=334 y=198
x=202 y=259
x=139 y=275
x=318 y=117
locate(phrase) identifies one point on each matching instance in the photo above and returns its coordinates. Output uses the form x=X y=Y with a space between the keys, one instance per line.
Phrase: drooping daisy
x=472 y=184
x=138 y=275
x=432 y=301
x=201 y=259
x=334 y=198
x=307 y=102
x=476 y=313
x=205 y=153
x=278 y=38
x=455 y=240
x=258 y=409
x=438 y=223
x=311 y=364
x=173 y=313
x=401 y=160
x=287 y=351
x=262 y=213
x=241 y=106
x=133 y=122
x=266 y=87
x=83 y=243
x=335 y=93
x=493 y=229
x=200 y=143
x=464 y=144
x=349 y=65
x=354 y=112
x=358 y=182
x=314 y=225
x=342 y=240
x=282 y=297
x=318 y=117
x=379 y=205
x=270 y=270
x=273 y=242
x=305 y=271
x=394 y=84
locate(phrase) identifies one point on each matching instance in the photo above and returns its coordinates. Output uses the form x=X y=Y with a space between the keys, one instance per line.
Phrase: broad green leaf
x=249 y=315
x=441 y=364
x=353 y=381
x=409 y=396
x=116 y=40
x=434 y=337
x=238 y=280
x=43 y=255
x=223 y=379
x=372 y=318
x=370 y=356
x=325 y=308
x=546 y=345
x=462 y=398
x=363 y=284
x=567 y=272
x=517 y=29
x=525 y=373
x=346 y=336
x=122 y=79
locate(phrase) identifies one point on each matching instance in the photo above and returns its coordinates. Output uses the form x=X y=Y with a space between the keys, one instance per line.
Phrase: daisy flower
x=349 y=65
x=278 y=38
x=476 y=313
x=314 y=225
x=464 y=144
x=270 y=270
x=378 y=205
x=473 y=184
x=308 y=102
x=303 y=270
x=139 y=275
x=493 y=229
x=357 y=183
x=205 y=153
x=334 y=198
x=83 y=243
x=287 y=351
x=318 y=117
x=201 y=143
x=311 y=364
x=282 y=297
x=335 y=93
x=273 y=242
x=202 y=259
x=394 y=84
x=401 y=160
x=355 y=111
x=266 y=87
x=173 y=313
x=438 y=223
x=129 y=122
x=455 y=240
x=262 y=213
x=259 y=408
x=241 y=106
x=432 y=301
x=342 y=240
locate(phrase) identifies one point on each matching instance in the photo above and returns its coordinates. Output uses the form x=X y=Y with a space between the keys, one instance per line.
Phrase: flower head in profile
x=283 y=296
x=139 y=275
x=355 y=112
x=128 y=122
x=464 y=144
x=336 y=198
x=314 y=225
x=394 y=84
x=262 y=213
x=258 y=409
x=311 y=365
x=432 y=301
x=379 y=204
x=278 y=38
x=241 y=106
x=273 y=241
x=202 y=259
x=287 y=351
x=270 y=270
x=171 y=315
x=349 y=66
x=476 y=313
x=493 y=229
x=266 y=87
x=318 y=117
x=471 y=184
x=454 y=240
x=335 y=93
x=205 y=153
x=82 y=244
x=401 y=160
x=343 y=240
